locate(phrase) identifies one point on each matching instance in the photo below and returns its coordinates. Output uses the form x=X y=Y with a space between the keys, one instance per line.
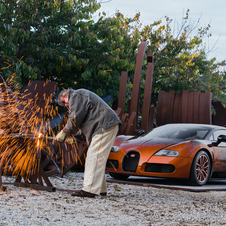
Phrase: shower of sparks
x=24 y=142
x=20 y=131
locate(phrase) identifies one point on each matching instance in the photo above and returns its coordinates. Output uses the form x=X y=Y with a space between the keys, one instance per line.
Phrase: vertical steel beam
x=136 y=82
x=145 y=124
x=122 y=93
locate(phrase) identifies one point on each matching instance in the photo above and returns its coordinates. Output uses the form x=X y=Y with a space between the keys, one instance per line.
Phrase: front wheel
x=119 y=176
x=200 y=169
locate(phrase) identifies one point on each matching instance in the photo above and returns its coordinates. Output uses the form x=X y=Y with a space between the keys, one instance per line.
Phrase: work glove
x=70 y=140
x=60 y=136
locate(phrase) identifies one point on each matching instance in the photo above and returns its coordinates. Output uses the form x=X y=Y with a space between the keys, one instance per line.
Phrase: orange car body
x=137 y=155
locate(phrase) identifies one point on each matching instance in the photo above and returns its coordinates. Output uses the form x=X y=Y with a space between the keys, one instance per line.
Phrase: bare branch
x=104 y=2
x=213 y=45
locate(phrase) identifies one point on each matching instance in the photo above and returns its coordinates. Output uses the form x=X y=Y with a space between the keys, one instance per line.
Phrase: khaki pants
x=97 y=155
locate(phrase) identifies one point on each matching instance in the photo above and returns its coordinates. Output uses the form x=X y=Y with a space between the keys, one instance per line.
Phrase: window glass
x=211 y=138
x=185 y=132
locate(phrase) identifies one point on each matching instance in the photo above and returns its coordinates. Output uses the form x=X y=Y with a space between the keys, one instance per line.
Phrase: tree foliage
x=59 y=41
x=180 y=62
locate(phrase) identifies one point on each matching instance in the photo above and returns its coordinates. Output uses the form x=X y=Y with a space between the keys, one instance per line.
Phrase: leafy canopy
x=59 y=41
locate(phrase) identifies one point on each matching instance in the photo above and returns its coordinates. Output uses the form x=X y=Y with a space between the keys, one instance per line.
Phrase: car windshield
x=184 y=132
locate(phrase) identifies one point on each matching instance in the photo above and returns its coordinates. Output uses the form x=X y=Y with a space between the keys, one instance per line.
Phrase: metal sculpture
x=130 y=119
x=148 y=113
x=185 y=107
x=134 y=106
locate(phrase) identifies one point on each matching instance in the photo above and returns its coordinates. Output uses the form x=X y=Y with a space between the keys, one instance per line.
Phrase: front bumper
x=156 y=166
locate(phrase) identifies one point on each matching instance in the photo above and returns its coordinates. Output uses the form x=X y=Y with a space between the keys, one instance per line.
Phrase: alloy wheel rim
x=202 y=168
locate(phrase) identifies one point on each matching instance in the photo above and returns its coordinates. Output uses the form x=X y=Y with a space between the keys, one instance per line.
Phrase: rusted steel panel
x=170 y=106
x=161 y=109
x=179 y=109
x=122 y=92
x=190 y=118
x=196 y=107
x=207 y=108
x=124 y=120
x=130 y=124
x=219 y=118
x=136 y=82
x=151 y=123
x=36 y=96
x=176 y=105
x=39 y=89
x=147 y=94
x=119 y=112
x=201 y=107
x=184 y=105
x=165 y=109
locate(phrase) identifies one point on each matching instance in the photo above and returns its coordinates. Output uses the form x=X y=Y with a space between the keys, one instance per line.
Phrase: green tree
x=58 y=41
x=37 y=36
x=180 y=60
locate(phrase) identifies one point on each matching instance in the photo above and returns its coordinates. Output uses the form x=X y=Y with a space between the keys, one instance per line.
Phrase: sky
x=205 y=11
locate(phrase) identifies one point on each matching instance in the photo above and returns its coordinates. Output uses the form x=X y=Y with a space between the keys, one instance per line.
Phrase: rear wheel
x=200 y=169
x=119 y=176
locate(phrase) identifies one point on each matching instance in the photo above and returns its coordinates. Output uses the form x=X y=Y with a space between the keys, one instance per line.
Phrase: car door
x=219 y=160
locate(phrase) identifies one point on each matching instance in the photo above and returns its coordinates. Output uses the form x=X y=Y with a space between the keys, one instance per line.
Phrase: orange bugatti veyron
x=195 y=152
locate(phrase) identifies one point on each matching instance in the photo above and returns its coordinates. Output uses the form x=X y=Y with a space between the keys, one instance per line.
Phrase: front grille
x=112 y=164
x=159 y=168
x=130 y=161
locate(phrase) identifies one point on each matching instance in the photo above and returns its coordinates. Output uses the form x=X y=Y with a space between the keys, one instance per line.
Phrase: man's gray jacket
x=88 y=112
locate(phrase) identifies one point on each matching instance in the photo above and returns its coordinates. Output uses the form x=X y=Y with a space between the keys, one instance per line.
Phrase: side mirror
x=140 y=132
x=221 y=138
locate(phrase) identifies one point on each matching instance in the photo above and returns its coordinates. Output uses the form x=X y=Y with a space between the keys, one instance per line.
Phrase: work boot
x=82 y=193
x=103 y=194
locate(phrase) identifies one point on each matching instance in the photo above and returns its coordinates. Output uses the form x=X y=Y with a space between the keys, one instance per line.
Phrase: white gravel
x=124 y=205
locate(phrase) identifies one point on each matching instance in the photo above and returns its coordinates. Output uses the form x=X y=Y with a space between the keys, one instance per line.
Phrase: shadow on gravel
x=181 y=184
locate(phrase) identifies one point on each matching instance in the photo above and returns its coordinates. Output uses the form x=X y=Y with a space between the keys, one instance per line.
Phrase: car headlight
x=170 y=153
x=114 y=149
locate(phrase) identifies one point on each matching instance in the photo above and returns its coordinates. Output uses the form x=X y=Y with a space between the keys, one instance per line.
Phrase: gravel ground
x=124 y=205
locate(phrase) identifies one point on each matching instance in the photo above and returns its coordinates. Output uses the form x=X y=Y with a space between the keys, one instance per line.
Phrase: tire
x=119 y=176
x=200 y=169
